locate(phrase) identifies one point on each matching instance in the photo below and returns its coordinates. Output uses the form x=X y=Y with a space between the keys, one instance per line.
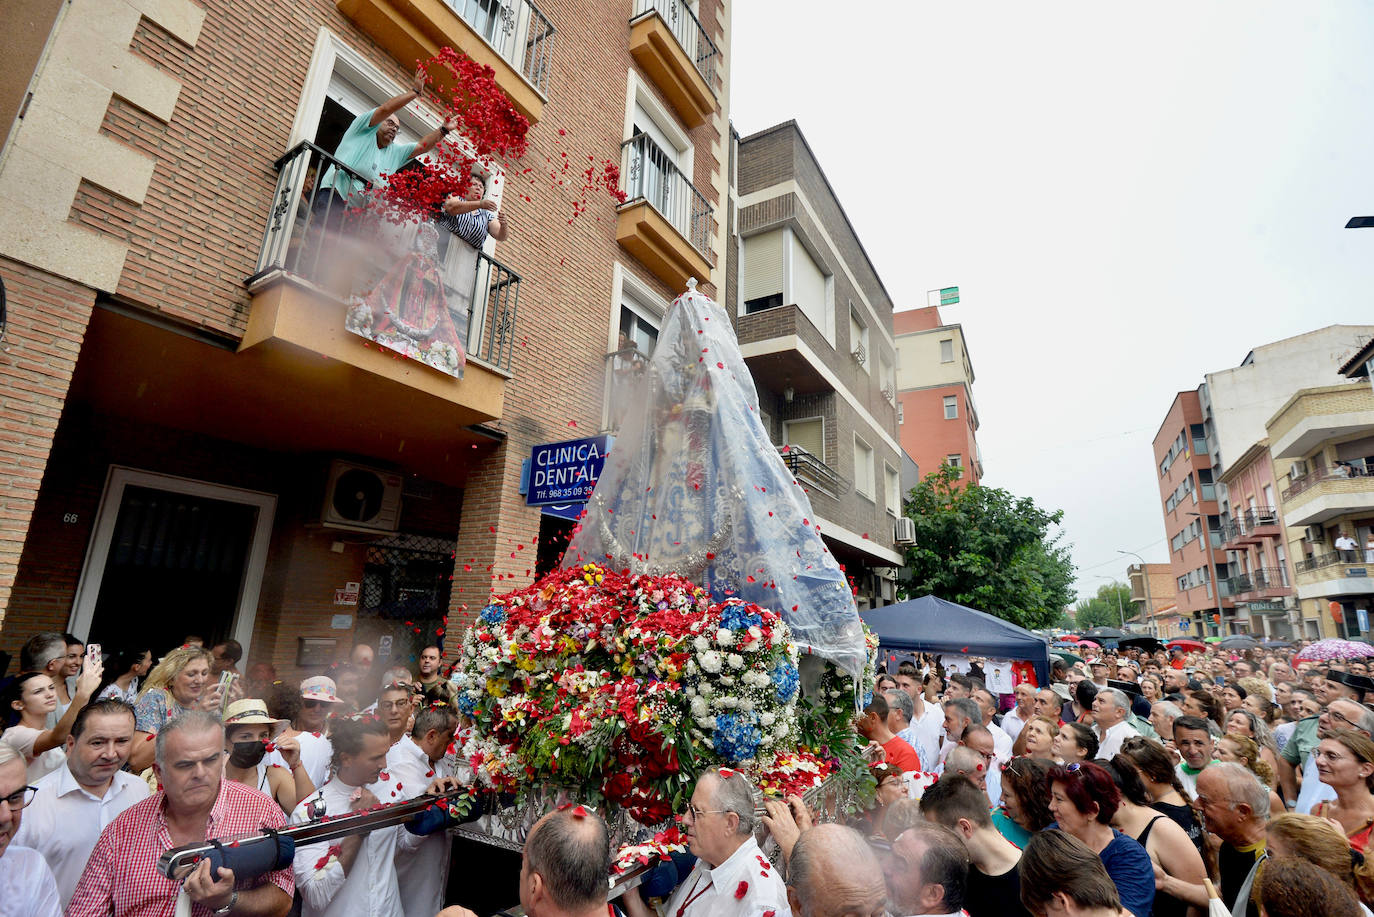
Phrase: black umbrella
x=1238 y=642
x=1144 y=642
x=1105 y=633
x=1276 y=644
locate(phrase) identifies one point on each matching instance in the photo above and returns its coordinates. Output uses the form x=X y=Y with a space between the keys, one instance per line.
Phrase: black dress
x=1185 y=818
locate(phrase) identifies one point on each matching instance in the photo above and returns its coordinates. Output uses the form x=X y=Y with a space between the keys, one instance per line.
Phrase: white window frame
x=894 y=499
x=630 y=292
x=950 y=342
x=951 y=401
x=102 y=536
x=872 y=469
x=638 y=94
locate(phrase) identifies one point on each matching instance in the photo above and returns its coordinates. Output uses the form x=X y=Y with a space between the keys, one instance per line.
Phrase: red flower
x=741 y=889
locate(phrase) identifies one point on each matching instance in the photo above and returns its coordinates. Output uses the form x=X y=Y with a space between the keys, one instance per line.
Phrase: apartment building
x=1252 y=534
x=937 y=415
x=195 y=441
x=1322 y=444
x=814 y=323
x=1192 y=518
x=1153 y=587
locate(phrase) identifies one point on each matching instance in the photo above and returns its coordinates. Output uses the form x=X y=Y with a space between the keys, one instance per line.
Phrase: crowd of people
x=1134 y=783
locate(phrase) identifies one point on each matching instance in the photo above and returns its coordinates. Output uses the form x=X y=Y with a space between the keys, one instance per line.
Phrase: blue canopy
x=931 y=625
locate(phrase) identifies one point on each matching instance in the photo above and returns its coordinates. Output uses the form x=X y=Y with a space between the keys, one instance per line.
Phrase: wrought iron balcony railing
x=1258 y=516
x=313 y=234
x=1261 y=579
x=686 y=28
x=1329 y=559
x=810 y=469
x=652 y=175
x=519 y=32
x=1318 y=475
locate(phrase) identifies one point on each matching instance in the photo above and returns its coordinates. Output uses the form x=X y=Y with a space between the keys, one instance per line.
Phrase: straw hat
x=251 y=712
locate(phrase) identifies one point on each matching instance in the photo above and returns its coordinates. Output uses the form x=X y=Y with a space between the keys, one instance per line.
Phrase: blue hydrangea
x=868 y=698
x=736 y=736
x=492 y=614
x=467 y=703
x=785 y=680
x=737 y=616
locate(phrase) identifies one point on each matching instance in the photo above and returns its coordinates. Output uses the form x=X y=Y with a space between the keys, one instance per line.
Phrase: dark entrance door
x=175 y=567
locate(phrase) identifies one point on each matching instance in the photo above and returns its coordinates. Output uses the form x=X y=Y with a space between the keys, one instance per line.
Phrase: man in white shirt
x=74 y=803
x=411 y=765
x=1110 y=708
x=1098 y=667
x=25 y=879
x=833 y=872
x=1347 y=546
x=927 y=717
x=356 y=877
x=1001 y=740
x=732 y=877
x=928 y=871
x=1016 y=717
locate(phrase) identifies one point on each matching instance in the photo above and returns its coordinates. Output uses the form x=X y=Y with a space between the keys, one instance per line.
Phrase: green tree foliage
x=1102 y=610
x=988 y=549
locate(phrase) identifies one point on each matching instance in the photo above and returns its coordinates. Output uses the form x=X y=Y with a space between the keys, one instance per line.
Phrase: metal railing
x=686 y=28
x=516 y=29
x=625 y=369
x=1261 y=579
x=314 y=234
x=1231 y=529
x=1258 y=516
x=1318 y=475
x=810 y=469
x=652 y=175
x=1329 y=559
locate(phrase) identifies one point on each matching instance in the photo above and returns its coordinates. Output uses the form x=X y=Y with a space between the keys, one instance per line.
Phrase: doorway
x=172 y=557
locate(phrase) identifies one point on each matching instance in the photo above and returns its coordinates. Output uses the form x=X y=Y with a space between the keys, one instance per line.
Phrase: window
x=810 y=285
x=892 y=489
x=863 y=468
x=901 y=413
x=808 y=434
x=858 y=339
x=955 y=460
x=637 y=331
x=1269 y=497
x=761 y=271
x=947 y=351
x=951 y=407
x=886 y=381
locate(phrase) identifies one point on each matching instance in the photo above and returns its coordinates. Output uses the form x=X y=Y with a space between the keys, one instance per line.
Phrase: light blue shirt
x=1313 y=790
x=359 y=151
x=909 y=735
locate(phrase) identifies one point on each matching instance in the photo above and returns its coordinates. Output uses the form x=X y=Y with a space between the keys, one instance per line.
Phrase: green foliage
x=988 y=549
x=1102 y=609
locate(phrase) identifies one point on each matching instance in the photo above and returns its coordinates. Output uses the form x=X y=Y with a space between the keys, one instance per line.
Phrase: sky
x=1127 y=196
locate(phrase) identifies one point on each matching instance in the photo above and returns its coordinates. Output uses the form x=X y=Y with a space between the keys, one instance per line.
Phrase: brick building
x=1192 y=520
x=1153 y=587
x=1253 y=537
x=194 y=443
x=938 y=417
x=815 y=325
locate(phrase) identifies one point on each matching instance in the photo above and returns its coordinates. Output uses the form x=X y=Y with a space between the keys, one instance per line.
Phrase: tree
x=986 y=548
x=1103 y=610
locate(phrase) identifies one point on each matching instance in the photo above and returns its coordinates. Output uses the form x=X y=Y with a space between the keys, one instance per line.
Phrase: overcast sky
x=1127 y=196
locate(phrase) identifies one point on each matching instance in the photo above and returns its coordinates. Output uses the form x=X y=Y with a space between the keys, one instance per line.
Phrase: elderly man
x=77 y=801
x=394 y=707
x=927 y=872
x=833 y=873
x=899 y=712
x=1110 y=710
x=926 y=715
x=1099 y=670
x=195 y=804
x=987 y=705
x=1339 y=714
x=410 y=766
x=994 y=883
x=1048 y=703
x=1235 y=806
x=959 y=715
x=1016 y=717
x=731 y=878
x=27 y=881
x=1162 y=716
x=564 y=865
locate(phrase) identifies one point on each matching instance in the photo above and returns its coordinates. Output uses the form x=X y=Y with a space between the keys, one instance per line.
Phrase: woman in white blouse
x=29 y=699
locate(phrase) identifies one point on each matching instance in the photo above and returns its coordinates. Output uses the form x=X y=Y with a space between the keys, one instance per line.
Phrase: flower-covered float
x=699 y=620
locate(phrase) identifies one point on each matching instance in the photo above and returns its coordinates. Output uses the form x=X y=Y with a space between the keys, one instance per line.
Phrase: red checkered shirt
x=121 y=877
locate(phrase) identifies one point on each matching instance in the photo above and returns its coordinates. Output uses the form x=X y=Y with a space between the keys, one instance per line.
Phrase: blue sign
x=566 y=472
x=571 y=511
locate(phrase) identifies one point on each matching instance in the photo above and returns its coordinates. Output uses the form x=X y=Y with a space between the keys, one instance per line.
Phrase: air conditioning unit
x=361 y=499
x=904 y=531
x=1314 y=533
x=1297 y=470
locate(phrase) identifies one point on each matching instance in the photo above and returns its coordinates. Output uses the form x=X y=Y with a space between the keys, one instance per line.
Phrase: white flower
x=751 y=646
x=736 y=661
x=702 y=644
x=728 y=702
x=725 y=637
x=699 y=706
x=767 y=718
x=746 y=704
x=710 y=661
x=755 y=632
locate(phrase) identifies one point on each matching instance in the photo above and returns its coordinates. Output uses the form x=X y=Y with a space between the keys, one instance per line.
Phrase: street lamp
x=1144 y=575
x=1119 y=610
x=1212 y=572
x=1360 y=223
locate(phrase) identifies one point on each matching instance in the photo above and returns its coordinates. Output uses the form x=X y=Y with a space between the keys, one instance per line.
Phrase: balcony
x=1334 y=573
x=626 y=369
x=318 y=272
x=784 y=350
x=512 y=37
x=812 y=472
x=1315 y=416
x=1261 y=583
x=665 y=221
x=1261 y=522
x=667 y=40
x=1232 y=531
x=1324 y=494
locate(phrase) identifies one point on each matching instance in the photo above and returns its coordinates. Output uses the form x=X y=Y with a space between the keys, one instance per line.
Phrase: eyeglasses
x=393 y=704
x=20 y=797
x=697 y=813
x=1073 y=768
x=312 y=704
x=1336 y=715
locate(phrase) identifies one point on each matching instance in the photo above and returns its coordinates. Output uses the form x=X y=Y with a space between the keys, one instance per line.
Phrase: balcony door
x=809 y=434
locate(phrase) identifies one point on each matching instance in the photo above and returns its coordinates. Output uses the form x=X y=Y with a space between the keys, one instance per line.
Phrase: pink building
x=1252 y=535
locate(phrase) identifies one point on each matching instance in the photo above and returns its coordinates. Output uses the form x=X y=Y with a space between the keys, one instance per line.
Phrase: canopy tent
x=931 y=625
